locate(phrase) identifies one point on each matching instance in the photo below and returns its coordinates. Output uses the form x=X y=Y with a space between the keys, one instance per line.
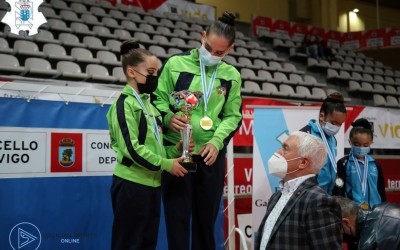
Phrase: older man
x=301 y=215
x=378 y=228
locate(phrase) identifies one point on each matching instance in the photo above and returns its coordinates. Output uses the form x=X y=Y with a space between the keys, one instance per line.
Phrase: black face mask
x=149 y=86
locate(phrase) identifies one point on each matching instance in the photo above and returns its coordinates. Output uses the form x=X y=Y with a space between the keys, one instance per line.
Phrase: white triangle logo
x=24 y=238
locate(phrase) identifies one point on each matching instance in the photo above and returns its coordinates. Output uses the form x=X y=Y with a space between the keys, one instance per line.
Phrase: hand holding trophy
x=186 y=101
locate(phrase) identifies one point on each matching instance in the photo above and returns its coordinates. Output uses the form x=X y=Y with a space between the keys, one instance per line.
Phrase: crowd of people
x=308 y=212
x=316 y=47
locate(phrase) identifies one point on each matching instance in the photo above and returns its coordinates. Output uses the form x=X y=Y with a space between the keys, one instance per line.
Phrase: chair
x=378 y=88
x=181 y=34
x=367 y=87
x=103 y=32
x=36 y=67
x=167 y=23
x=379 y=71
x=147 y=28
x=250 y=87
x=56 y=52
x=118 y=73
x=130 y=26
x=69 y=16
x=287 y=90
x=59 y=5
x=93 y=43
x=27 y=48
x=4 y=47
x=79 y=8
x=174 y=51
x=106 y=4
x=195 y=44
x=151 y=20
x=99 y=73
x=122 y=34
x=319 y=93
x=108 y=58
x=378 y=79
x=114 y=45
x=354 y=86
x=379 y=100
x=288 y=67
x=182 y=25
x=389 y=72
x=179 y=42
x=164 y=31
x=280 y=77
x=98 y=11
x=259 y=54
x=392 y=101
x=367 y=78
x=248 y=74
x=70 y=70
x=158 y=51
x=197 y=28
x=389 y=80
x=271 y=89
x=110 y=23
x=304 y=92
x=69 y=39
x=9 y=65
x=390 y=90
x=162 y=40
x=83 y=55
x=48 y=13
x=90 y=19
x=58 y=25
x=143 y=37
x=296 y=79
x=230 y=60
x=116 y=14
x=81 y=29
x=246 y=62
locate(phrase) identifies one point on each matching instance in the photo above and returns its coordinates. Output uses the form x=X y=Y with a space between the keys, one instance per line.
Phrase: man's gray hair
x=348 y=207
x=312 y=148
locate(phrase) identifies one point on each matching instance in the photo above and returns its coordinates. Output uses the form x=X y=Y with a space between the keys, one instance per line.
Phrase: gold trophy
x=186 y=101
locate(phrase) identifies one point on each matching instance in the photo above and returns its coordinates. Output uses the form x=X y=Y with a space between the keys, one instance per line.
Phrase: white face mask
x=206 y=58
x=277 y=165
x=330 y=129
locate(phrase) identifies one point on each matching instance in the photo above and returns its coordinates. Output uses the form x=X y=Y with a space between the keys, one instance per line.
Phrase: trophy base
x=189 y=166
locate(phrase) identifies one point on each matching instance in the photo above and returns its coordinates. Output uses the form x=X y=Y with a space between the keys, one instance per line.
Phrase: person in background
x=378 y=228
x=141 y=157
x=331 y=117
x=192 y=203
x=362 y=175
x=301 y=215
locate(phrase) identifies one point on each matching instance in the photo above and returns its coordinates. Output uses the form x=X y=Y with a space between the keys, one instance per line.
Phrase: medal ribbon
x=153 y=122
x=330 y=153
x=207 y=91
x=363 y=179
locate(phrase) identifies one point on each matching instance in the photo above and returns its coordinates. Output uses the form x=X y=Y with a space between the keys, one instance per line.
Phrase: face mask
x=330 y=129
x=277 y=165
x=149 y=86
x=360 y=151
x=206 y=58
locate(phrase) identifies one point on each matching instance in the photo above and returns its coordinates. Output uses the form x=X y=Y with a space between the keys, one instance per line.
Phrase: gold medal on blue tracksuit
x=364 y=206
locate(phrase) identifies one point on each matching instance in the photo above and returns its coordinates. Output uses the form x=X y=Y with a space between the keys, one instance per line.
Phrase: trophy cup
x=186 y=101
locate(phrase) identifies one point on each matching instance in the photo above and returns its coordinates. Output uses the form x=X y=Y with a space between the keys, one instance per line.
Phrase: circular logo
x=25 y=235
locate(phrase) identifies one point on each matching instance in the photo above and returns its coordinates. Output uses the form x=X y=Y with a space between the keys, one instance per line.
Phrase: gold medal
x=339 y=182
x=364 y=206
x=206 y=123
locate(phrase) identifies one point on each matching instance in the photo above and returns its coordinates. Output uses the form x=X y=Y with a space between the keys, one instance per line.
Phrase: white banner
x=272 y=126
x=386 y=124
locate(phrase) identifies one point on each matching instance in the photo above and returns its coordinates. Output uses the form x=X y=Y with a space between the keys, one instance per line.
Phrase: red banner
x=282 y=28
x=391 y=175
x=333 y=38
x=298 y=30
x=393 y=37
x=352 y=40
x=316 y=31
x=261 y=25
x=373 y=38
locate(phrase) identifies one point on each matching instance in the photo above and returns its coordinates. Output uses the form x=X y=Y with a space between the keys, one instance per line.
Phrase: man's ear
x=305 y=163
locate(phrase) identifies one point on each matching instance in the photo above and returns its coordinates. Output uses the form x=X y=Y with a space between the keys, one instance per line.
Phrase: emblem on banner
x=24 y=16
x=23 y=235
x=66 y=152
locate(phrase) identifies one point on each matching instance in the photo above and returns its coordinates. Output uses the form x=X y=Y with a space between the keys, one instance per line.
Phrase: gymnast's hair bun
x=128 y=46
x=228 y=18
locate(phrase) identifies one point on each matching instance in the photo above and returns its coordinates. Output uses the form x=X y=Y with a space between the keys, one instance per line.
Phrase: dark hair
x=348 y=207
x=132 y=54
x=225 y=26
x=361 y=126
x=334 y=102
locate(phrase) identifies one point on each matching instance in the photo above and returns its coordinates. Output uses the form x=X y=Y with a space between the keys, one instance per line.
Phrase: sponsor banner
x=243 y=177
x=391 y=175
x=386 y=124
x=298 y=31
x=281 y=28
x=262 y=26
x=333 y=38
x=316 y=31
x=271 y=127
x=373 y=38
x=188 y=9
x=56 y=160
x=393 y=37
x=352 y=40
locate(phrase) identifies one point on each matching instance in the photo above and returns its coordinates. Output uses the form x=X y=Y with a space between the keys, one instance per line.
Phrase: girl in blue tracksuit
x=363 y=177
x=331 y=117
